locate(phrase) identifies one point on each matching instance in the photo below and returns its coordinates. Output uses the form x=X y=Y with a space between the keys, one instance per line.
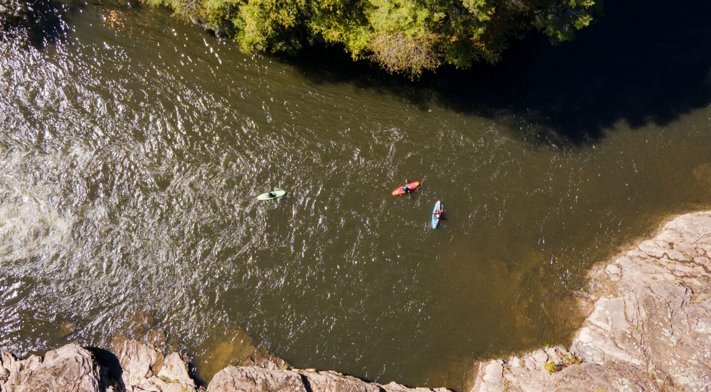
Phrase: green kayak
x=273 y=195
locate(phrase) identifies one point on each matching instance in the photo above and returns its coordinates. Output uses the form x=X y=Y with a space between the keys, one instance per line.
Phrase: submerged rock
x=234 y=347
x=649 y=328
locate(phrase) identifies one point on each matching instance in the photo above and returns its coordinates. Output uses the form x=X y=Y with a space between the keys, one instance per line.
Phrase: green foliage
x=218 y=14
x=270 y=25
x=561 y=19
x=340 y=22
x=405 y=17
x=404 y=36
x=550 y=367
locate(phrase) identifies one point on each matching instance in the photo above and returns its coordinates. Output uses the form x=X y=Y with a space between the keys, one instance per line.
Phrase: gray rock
x=134 y=366
x=69 y=368
x=144 y=368
x=259 y=379
x=332 y=381
x=255 y=379
x=395 y=387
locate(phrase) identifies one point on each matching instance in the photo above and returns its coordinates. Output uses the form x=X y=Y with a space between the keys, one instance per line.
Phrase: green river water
x=133 y=145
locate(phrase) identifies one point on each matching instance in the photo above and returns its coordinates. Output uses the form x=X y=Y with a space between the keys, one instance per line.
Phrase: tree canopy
x=404 y=36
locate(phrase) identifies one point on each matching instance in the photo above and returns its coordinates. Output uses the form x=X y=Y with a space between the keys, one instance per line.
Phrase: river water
x=132 y=148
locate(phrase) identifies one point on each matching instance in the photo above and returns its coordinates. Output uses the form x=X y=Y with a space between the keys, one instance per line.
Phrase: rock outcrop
x=257 y=379
x=144 y=368
x=134 y=366
x=649 y=328
x=72 y=368
x=69 y=368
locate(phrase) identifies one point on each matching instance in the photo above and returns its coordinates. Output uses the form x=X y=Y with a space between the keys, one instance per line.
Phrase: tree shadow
x=642 y=63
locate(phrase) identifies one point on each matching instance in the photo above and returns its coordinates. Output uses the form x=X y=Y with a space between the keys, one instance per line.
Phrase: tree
x=402 y=36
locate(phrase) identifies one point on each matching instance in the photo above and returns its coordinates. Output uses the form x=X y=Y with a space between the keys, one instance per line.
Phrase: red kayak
x=401 y=191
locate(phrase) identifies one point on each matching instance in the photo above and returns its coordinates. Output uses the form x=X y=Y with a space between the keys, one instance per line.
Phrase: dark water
x=133 y=147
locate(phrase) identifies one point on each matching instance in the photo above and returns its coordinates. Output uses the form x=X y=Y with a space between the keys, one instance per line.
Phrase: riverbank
x=648 y=328
x=135 y=366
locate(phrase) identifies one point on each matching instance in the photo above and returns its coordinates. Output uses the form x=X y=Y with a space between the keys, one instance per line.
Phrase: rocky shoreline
x=648 y=329
x=648 y=325
x=134 y=366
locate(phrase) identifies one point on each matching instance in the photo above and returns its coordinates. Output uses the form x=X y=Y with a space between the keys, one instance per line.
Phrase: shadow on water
x=43 y=22
x=642 y=62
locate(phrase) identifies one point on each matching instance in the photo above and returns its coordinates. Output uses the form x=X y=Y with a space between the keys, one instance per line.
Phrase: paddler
x=406 y=187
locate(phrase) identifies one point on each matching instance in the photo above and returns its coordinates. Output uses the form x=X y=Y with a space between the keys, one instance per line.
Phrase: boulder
x=144 y=368
x=259 y=379
x=255 y=379
x=332 y=381
x=69 y=368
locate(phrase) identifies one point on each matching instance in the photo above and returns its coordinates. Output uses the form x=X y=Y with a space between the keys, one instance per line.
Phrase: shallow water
x=132 y=154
